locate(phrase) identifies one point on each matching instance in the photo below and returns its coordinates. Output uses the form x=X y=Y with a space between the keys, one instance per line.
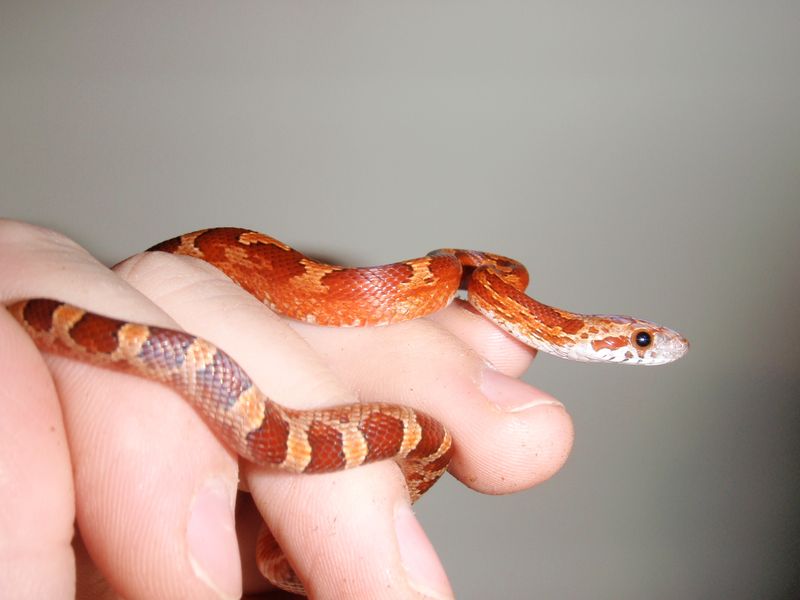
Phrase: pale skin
x=152 y=490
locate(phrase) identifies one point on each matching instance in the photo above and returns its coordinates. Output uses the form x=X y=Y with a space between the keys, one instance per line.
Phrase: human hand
x=153 y=490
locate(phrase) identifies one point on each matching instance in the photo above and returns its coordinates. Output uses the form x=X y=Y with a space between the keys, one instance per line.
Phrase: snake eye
x=642 y=338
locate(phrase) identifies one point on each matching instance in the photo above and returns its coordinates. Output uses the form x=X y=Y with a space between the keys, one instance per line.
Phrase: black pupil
x=643 y=339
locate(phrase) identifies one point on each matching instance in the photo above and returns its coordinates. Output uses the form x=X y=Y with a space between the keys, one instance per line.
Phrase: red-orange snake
x=292 y=284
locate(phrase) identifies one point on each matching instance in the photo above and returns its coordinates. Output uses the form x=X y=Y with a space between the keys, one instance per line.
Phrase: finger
x=338 y=529
x=504 y=353
x=356 y=537
x=35 y=474
x=154 y=488
x=248 y=524
x=507 y=435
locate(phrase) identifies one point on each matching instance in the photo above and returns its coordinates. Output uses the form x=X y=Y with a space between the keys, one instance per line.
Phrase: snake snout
x=674 y=345
x=668 y=346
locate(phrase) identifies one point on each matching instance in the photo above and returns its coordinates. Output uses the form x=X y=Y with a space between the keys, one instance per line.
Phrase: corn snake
x=265 y=433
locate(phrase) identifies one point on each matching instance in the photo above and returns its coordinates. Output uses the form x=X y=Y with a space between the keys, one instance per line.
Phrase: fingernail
x=211 y=538
x=425 y=573
x=512 y=395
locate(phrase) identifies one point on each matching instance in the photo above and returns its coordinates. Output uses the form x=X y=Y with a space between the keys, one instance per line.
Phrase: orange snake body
x=313 y=441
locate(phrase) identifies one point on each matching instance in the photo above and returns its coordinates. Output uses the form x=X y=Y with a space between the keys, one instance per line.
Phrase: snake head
x=626 y=340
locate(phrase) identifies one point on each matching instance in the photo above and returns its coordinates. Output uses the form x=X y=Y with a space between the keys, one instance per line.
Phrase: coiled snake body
x=296 y=286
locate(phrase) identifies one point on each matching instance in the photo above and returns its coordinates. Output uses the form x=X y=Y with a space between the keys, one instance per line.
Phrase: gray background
x=640 y=157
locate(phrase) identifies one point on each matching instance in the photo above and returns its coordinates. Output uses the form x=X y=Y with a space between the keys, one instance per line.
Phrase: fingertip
x=425 y=572
x=211 y=539
x=505 y=353
x=516 y=436
x=537 y=445
x=512 y=395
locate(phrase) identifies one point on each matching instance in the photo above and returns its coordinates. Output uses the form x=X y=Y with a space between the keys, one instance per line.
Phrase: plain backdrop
x=639 y=157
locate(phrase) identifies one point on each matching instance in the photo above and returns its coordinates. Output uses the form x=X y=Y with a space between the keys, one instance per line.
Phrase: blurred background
x=639 y=157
